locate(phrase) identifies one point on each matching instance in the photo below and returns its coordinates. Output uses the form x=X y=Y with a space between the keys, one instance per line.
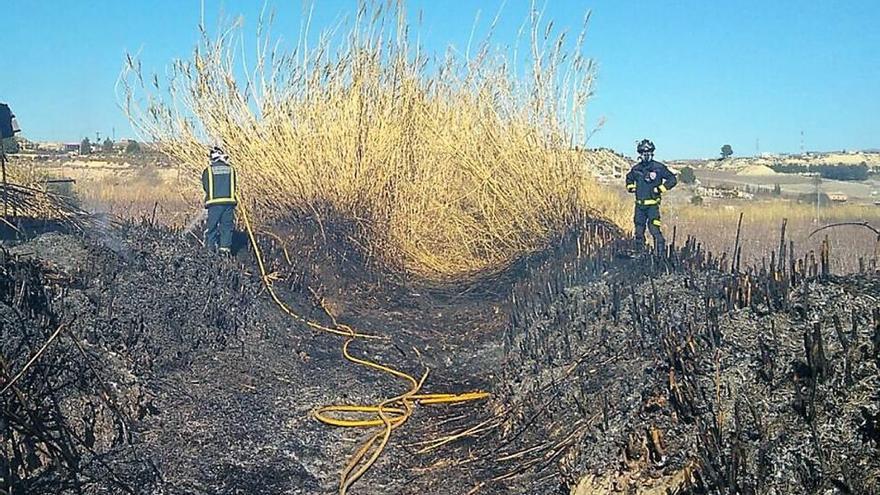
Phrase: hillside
x=869 y=158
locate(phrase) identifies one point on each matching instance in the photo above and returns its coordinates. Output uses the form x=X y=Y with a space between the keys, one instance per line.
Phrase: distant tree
x=10 y=145
x=107 y=146
x=85 y=146
x=777 y=191
x=810 y=198
x=840 y=171
x=696 y=200
x=132 y=147
x=687 y=175
x=726 y=151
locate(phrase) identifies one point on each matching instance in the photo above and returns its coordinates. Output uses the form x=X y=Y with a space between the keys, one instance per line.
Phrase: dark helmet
x=645 y=146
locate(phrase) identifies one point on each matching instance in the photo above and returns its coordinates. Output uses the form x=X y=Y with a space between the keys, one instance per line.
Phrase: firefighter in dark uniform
x=219 y=183
x=648 y=180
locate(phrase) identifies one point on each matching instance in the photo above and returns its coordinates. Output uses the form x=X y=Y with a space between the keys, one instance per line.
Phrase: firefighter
x=219 y=183
x=648 y=180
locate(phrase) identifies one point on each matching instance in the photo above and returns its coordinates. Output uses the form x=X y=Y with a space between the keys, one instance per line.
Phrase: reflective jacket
x=648 y=181
x=218 y=181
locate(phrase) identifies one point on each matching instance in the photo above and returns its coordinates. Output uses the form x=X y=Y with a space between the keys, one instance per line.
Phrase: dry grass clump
x=449 y=166
x=715 y=227
x=125 y=191
x=139 y=192
x=25 y=195
x=775 y=211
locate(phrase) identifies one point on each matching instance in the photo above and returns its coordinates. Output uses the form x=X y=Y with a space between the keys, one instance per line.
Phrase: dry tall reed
x=449 y=165
x=25 y=195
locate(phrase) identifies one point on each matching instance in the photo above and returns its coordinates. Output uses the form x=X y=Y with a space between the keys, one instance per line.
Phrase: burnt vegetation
x=134 y=362
x=693 y=375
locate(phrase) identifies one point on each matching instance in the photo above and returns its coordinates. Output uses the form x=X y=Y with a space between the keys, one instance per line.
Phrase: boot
x=660 y=246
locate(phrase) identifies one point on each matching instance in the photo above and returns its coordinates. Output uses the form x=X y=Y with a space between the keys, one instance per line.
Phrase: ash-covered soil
x=174 y=372
x=683 y=377
x=170 y=371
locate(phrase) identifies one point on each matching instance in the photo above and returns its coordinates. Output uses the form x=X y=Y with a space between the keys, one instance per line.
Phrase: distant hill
x=606 y=164
x=868 y=158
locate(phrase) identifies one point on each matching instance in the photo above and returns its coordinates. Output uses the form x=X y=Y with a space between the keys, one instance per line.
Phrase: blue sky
x=692 y=75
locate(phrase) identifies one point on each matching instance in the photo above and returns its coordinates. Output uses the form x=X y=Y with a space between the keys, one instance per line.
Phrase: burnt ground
x=174 y=373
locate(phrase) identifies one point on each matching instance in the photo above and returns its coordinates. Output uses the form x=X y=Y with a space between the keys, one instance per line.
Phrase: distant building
x=716 y=192
x=722 y=193
x=70 y=147
x=50 y=146
x=837 y=197
x=710 y=192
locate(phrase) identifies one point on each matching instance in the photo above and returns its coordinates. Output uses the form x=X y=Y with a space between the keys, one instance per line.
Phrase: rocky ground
x=172 y=372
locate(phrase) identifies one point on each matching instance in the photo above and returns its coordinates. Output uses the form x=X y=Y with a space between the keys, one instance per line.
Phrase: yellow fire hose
x=388 y=414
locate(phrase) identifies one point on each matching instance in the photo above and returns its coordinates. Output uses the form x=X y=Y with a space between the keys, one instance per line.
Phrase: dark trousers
x=650 y=216
x=218 y=230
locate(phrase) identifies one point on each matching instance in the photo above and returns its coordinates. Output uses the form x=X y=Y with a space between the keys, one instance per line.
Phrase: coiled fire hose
x=387 y=415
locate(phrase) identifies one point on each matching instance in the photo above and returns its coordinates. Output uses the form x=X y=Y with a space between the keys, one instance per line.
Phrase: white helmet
x=217 y=155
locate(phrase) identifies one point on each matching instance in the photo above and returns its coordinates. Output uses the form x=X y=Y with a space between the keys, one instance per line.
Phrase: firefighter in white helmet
x=219 y=182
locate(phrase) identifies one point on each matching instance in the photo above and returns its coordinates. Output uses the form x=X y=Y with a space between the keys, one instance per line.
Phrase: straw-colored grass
x=715 y=228
x=25 y=195
x=775 y=211
x=138 y=193
x=123 y=190
x=450 y=166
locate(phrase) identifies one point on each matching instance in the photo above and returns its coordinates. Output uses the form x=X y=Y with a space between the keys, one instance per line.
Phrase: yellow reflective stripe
x=648 y=202
x=220 y=201
x=232 y=183
x=662 y=188
x=210 y=184
x=630 y=186
x=656 y=222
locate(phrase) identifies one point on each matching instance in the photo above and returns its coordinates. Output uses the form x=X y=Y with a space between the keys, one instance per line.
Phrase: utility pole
x=802 y=141
x=817 y=181
x=97 y=137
